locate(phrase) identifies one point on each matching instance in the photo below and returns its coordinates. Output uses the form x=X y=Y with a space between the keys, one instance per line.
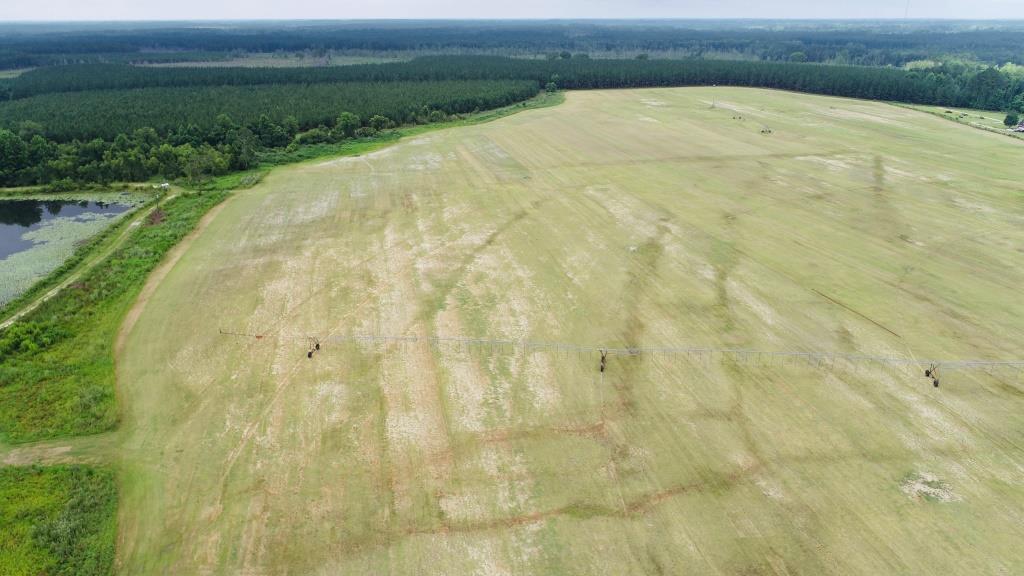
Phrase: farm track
x=159 y=273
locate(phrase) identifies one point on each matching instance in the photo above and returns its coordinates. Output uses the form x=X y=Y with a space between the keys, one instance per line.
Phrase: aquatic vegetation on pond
x=37 y=246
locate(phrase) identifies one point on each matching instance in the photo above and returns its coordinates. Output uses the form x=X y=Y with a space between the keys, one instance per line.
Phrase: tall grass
x=58 y=520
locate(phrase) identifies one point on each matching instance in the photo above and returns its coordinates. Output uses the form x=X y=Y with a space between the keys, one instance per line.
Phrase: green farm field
x=704 y=217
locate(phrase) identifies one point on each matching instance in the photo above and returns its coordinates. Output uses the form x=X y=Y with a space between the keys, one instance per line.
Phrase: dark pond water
x=20 y=216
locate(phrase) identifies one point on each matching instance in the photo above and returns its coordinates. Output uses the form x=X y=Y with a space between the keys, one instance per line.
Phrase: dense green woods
x=107 y=113
x=76 y=78
x=107 y=135
x=943 y=84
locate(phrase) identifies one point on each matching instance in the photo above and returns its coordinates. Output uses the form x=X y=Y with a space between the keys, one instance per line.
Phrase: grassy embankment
x=57 y=369
x=91 y=250
x=982 y=119
x=57 y=363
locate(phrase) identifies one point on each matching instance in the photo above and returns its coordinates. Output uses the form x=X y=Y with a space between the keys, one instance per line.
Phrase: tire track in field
x=463 y=265
x=638 y=505
x=630 y=509
x=250 y=430
x=248 y=434
x=156 y=277
x=402 y=244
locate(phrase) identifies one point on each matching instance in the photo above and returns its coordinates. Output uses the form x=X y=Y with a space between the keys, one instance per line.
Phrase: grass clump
x=57 y=520
x=57 y=363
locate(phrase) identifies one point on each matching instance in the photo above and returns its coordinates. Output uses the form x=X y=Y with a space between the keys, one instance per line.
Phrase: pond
x=38 y=234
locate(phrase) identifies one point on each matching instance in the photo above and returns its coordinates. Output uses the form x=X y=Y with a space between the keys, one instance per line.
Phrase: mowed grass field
x=648 y=217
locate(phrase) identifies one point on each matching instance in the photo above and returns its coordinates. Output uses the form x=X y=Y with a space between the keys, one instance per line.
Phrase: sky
x=49 y=10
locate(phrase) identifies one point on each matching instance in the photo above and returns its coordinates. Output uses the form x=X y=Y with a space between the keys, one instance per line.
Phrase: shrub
x=58 y=520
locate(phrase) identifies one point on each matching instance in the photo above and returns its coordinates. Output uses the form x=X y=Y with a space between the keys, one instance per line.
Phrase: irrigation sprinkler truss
x=706 y=355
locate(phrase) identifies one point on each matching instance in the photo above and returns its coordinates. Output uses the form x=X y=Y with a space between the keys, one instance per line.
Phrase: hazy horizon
x=199 y=10
x=511 y=19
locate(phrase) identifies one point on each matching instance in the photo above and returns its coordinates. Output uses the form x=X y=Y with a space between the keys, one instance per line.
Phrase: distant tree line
x=946 y=84
x=107 y=113
x=863 y=43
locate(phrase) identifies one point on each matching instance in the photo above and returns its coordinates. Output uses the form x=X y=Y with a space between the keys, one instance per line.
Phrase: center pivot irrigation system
x=706 y=355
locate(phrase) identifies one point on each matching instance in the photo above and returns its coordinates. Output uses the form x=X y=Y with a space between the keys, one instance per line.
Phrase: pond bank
x=39 y=233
